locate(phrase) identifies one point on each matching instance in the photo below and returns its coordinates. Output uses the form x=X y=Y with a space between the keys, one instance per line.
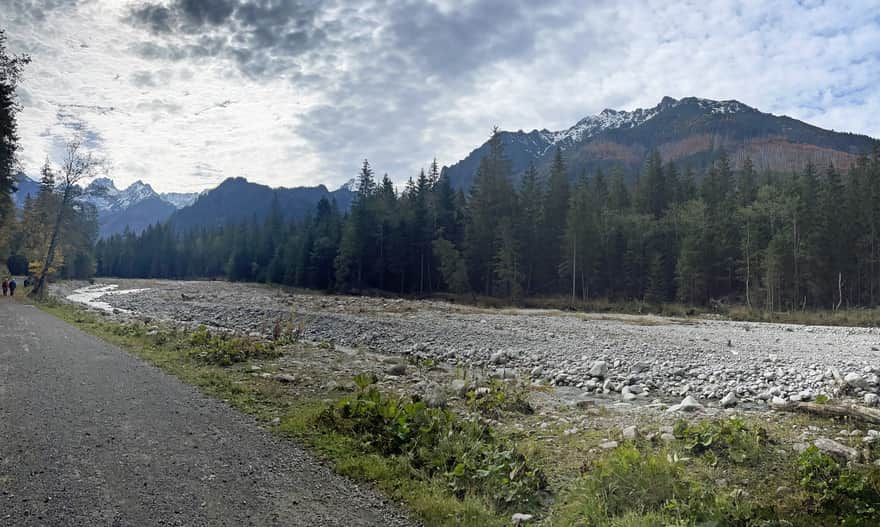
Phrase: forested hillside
x=689 y=131
x=810 y=238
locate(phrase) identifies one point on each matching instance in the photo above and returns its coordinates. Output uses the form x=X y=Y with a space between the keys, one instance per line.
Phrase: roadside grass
x=451 y=468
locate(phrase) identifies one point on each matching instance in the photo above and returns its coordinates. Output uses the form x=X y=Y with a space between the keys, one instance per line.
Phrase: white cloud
x=299 y=97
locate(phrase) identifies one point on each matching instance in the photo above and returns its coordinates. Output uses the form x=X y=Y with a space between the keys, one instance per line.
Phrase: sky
x=185 y=93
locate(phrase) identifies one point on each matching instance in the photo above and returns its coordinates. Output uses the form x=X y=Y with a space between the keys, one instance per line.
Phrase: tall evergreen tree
x=556 y=203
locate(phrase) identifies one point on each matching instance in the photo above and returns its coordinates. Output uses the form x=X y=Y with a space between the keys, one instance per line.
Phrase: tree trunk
x=39 y=289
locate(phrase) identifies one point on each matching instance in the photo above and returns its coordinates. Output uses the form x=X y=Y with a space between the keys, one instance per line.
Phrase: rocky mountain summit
x=690 y=131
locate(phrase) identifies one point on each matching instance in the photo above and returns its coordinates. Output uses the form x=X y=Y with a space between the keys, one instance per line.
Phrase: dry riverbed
x=618 y=360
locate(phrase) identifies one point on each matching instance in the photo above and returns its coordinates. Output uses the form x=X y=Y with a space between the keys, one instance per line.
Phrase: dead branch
x=852 y=411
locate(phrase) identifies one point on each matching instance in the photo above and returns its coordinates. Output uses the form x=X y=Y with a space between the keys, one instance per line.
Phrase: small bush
x=501 y=397
x=468 y=456
x=850 y=494
x=225 y=350
x=728 y=439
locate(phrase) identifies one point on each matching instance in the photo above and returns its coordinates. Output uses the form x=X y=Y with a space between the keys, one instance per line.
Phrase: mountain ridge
x=690 y=130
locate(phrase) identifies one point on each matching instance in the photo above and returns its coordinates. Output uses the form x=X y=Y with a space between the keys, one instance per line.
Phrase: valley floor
x=660 y=359
x=592 y=402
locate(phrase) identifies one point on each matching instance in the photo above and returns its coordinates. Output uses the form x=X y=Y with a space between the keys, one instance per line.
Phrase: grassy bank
x=859 y=317
x=451 y=467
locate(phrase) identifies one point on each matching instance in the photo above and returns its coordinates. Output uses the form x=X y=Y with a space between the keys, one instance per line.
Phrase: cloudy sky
x=184 y=93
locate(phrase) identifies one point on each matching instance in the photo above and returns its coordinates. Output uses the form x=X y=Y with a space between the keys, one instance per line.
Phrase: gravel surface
x=638 y=358
x=91 y=436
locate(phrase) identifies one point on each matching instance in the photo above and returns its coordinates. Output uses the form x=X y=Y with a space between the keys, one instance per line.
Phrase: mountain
x=26 y=187
x=136 y=217
x=237 y=200
x=689 y=131
x=135 y=207
x=179 y=199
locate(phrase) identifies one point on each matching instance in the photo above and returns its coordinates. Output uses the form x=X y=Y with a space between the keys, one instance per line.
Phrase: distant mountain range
x=237 y=199
x=689 y=131
x=234 y=200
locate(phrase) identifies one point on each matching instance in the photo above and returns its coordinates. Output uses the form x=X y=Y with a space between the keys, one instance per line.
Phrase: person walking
x=5 y=286
x=12 y=285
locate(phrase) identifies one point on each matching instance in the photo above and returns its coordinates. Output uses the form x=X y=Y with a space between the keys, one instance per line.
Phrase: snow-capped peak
x=610 y=119
x=180 y=199
x=102 y=184
x=135 y=193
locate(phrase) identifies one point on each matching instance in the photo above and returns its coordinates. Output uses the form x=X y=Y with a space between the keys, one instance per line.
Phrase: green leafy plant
x=729 y=439
x=849 y=494
x=499 y=397
x=225 y=349
x=468 y=456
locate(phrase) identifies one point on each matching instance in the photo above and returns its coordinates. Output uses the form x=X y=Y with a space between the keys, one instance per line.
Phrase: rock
x=499 y=357
x=521 y=519
x=536 y=372
x=778 y=402
x=872 y=399
x=729 y=400
x=666 y=437
x=285 y=378
x=435 y=397
x=689 y=404
x=396 y=369
x=854 y=380
x=458 y=387
x=608 y=445
x=630 y=433
x=599 y=369
x=275 y=422
x=835 y=449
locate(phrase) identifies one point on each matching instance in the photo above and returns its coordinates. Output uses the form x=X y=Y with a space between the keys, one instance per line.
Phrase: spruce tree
x=556 y=203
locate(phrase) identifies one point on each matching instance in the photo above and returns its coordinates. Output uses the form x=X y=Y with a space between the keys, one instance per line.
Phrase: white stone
x=689 y=404
x=630 y=433
x=729 y=400
x=521 y=519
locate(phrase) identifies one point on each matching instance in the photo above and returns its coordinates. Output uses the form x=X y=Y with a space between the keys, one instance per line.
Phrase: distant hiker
x=5 y=286
x=11 y=286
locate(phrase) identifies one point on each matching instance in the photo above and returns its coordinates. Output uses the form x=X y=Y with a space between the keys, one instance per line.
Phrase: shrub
x=468 y=456
x=501 y=397
x=729 y=439
x=225 y=350
x=850 y=494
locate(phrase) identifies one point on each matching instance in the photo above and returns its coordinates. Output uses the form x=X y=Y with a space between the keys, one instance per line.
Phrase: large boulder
x=836 y=450
x=599 y=369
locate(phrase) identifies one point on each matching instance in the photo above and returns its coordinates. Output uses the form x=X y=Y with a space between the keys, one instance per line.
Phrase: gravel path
x=91 y=436
x=663 y=357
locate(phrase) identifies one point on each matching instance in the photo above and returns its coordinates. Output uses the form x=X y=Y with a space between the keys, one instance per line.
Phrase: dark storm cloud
x=397 y=56
x=263 y=37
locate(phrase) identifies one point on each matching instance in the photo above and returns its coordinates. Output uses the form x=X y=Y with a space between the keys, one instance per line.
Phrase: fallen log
x=852 y=411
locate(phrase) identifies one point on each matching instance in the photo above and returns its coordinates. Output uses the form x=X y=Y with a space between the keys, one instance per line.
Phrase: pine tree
x=492 y=200
x=358 y=237
x=11 y=67
x=555 y=208
x=531 y=218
